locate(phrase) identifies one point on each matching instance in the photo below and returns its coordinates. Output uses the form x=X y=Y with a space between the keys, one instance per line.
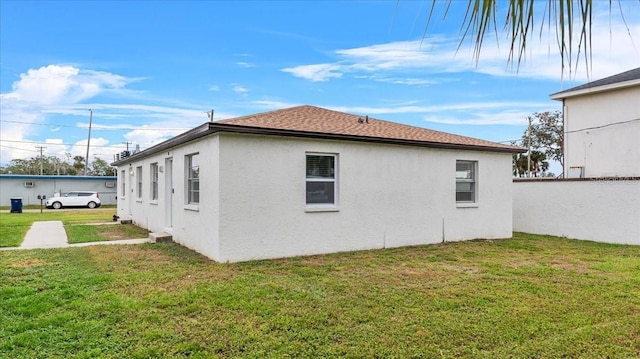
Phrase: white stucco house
x=602 y=127
x=307 y=180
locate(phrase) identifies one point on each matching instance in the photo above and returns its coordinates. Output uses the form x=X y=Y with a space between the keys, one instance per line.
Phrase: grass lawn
x=527 y=297
x=79 y=233
x=14 y=226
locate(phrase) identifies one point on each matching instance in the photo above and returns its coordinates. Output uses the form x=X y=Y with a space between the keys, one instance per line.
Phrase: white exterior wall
x=611 y=151
x=252 y=197
x=194 y=226
x=388 y=195
x=602 y=210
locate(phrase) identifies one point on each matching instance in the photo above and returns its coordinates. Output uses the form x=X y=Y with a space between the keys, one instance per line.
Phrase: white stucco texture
x=603 y=210
x=602 y=131
x=252 y=197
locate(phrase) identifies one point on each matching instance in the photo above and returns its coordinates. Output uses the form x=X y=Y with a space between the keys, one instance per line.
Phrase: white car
x=75 y=199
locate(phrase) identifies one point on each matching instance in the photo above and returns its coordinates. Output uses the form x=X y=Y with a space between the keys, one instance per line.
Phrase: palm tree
x=563 y=16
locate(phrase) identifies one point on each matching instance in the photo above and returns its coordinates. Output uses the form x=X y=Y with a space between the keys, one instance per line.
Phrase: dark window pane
x=320 y=166
x=320 y=192
x=464 y=196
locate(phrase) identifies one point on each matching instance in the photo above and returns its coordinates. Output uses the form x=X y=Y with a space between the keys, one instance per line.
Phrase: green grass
x=14 y=226
x=78 y=233
x=526 y=297
x=37 y=206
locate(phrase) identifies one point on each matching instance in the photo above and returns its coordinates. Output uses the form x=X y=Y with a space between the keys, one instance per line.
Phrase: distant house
x=28 y=187
x=307 y=180
x=602 y=127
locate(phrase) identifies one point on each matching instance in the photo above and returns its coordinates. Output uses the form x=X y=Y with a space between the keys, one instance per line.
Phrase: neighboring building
x=602 y=127
x=28 y=187
x=307 y=180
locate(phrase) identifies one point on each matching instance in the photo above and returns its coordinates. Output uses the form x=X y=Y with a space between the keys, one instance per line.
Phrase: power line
x=53 y=144
x=101 y=129
x=607 y=125
x=18 y=148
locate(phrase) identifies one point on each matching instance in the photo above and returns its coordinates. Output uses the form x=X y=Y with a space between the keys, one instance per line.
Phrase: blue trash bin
x=16 y=205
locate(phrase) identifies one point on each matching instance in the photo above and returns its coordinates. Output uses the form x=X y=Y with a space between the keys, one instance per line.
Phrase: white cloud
x=62 y=91
x=147 y=138
x=245 y=64
x=506 y=117
x=214 y=88
x=56 y=84
x=460 y=107
x=610 y=54
x=318 y=72
x=274 y=105
x=239 y=89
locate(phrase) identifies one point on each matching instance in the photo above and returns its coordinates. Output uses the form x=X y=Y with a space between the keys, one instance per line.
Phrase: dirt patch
x=523 y=263
x=112 y=234
x=460 y=268
x=578 y=267
x=29 y=263
x=138 y=256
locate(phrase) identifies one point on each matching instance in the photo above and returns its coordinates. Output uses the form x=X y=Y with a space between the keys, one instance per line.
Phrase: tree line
x=53 y=165
x=545 y=137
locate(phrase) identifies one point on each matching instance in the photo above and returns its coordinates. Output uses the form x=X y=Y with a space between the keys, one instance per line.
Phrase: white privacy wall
x=602 y=131
x=388 y=195
x=603 y=210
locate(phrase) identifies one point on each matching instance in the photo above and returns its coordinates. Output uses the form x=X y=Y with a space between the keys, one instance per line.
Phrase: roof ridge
x=315 y=119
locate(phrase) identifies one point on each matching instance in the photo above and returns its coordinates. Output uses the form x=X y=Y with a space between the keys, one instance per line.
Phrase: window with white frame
x=321 y=178
x=193 y=178
x=154 y=181
x=139 y=182
x=466 y=181
x=123 y=184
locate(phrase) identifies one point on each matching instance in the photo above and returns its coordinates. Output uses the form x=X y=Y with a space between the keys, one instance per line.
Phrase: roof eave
x=559 y=96
x=213 y=127
x=185 y=137
x=217 y=127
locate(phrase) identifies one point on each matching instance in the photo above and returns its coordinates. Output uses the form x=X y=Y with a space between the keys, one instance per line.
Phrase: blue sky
x=150 y=70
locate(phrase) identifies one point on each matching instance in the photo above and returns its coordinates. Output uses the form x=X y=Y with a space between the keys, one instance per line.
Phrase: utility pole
x=86 y=166
x=127 y=143
x=41 y=158
x=529 y=153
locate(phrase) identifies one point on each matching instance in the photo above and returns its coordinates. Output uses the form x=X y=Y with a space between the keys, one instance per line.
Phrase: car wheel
x=56 y=205
x=91 y=205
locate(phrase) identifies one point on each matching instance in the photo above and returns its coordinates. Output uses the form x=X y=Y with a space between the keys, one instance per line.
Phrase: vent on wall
x=29 y=184
x=576 y=172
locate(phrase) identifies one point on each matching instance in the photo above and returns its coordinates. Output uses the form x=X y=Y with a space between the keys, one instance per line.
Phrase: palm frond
x=520 y=20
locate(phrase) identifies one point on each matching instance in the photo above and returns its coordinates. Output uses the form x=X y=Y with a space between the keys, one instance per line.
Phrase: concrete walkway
x=51 y=234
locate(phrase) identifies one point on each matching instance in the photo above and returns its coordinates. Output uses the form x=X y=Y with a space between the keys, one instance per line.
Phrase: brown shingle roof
x=315 y=122
x=311 y=119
